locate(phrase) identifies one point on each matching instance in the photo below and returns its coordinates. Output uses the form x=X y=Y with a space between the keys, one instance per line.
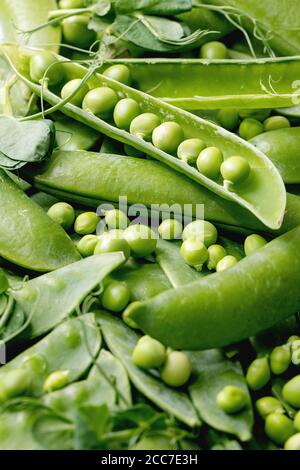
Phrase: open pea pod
x=263 y=193
x=214 y=372
x=48 y=299
x=72 y=346
x=121 y=341
x=202 y=84
x=28 y=237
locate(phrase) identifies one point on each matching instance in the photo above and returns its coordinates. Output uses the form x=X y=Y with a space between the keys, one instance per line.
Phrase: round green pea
x=232 y=399
x=116 y=219
x=279 y=428
x=253 y=243
x=76 y=32
x=280 y=359
x=100 y=101
x=258 y=373
x=127 y=313
x=235 y=170
x=115 y=297
x=86 y=223
x=268 y=405
x=14 y=383
x=226 y=263
x=120 y=73
x=209 y=162
x=87 y=244
x=213 y=50
x=291 y=392
x=141 y=239
x=167 y=137
x=132 y=152
x=228 y=118
x=177 y=369
x=125 y=111
x=194 y=253
x=143 y=126
x=56 y=380
x=189 y=150
x=297 y=421
x=215 y=254
x=293 y=338
x=149 y=353
x=110 y=244
x=276 y=122
x=201 y=230
x=63 y=214
x=293 y=443
x=4 y=284
x=44 y=64
x=250 y=128
x=170 y=229
x=70 y=87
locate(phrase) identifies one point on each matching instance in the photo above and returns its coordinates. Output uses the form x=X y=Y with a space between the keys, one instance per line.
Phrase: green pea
x=170 y=229
x=71 y=4
x=87 y=244
x=228 y=118
x=293 y=443
x=132 y=152
x=253 y=243
x=201 y=230
x=100 y=101
x=209 y=162
x=110 y=244
x=167 y=137
x=213 y=50
x=258 y=114
x=189 y=150
x=149 y=353
x=293 y=338
x=14 y=383
x=235 y=170
x=141 y=239
x=44 y=64
x=297 y=421
x=63 y=214
x=268 y=405
x=116 y=219
x=115 y=297
x=70 y=87
x=86 y=223
x=56 y=380
x=250 y=128
x=258 y=373
x=226 y=263
x=76 y=32
x=35 y=364
x=143 y=126
x=177 y=369
x=126 y=315
x=279 y=428
x=120 y=73
x=276 y=122
x=194 y=253
x=4 y=284
x=232 y=399
x=125 y=111
x=291 y=392
x=280 y=359
x=215 y=254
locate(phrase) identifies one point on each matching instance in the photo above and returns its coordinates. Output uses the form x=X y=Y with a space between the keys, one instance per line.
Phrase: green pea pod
x=235 y=304
x=89 y=179
x=263 y=193
x=282 y=147
x=202 y=84
x=213 y=373
x=49 y=299
x=121 y=341
x=71 y=135
x=20 y=437
x=72 y=346
x=30 y=238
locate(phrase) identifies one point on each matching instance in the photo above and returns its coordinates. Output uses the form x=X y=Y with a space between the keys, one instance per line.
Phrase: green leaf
x=91 y=423
x=170 y=7
x=129 y=6
x=102 y=7
x=53 y=432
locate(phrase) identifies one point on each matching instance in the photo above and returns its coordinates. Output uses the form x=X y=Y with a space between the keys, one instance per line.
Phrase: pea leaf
x=91 y=423
x=102 y=7
x=53 y=432
x=128 y=6
x=153 y=7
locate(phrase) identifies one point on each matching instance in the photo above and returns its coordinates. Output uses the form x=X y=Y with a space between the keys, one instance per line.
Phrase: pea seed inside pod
x=167 y=137
x=209 y=162
x=189 y=150
x=143 y=125
x=120 y=73
x=235 y=170
x=100 y=101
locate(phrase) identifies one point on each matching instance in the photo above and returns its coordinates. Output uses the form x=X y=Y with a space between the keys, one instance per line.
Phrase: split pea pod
x=228 y=307
x=262 y=192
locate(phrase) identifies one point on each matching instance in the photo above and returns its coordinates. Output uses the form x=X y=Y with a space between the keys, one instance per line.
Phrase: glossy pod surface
x=218 y=310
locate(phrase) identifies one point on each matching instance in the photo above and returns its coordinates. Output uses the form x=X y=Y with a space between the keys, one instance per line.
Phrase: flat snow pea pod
x=71 y=135
x=263 y=193
x=72 y=346
x=49 y=299
x=244 y=305
x=213 y=372
x=207 y=84
x=18 y=437
x=29 y=238
x=282 y=147
x=121 y=341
